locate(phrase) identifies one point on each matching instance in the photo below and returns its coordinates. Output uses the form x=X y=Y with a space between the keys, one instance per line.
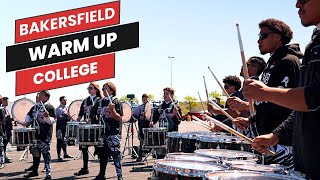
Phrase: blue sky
x=197 y=34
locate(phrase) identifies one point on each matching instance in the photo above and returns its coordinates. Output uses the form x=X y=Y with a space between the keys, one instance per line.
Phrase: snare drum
x=258 y=168
x=191 y=157
x=178 y=169
x=189 y=142
x=174 y=142
x=224 y=154
x=72 y=132
x=223 y=142
x=23 y=136
x=89 y=134
x=245 y=175
x=155 y=137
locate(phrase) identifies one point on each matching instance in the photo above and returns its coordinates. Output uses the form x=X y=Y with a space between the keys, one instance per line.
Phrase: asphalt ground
x=67 y=168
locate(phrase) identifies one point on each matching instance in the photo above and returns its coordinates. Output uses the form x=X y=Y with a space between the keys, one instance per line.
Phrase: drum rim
x=15 y=103
x=157 y=163
x=250 y=155
x=276 y=169
x=251 y=172
x=23 y=128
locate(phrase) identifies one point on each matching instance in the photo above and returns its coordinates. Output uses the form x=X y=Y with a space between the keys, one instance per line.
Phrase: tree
x=191 y=102
x=216 y=94
x=124 y=98
x=151 y=97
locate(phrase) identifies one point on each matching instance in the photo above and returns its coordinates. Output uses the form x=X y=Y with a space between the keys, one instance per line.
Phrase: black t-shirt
x=36 y=113
x=112 y=125
x=86 y=106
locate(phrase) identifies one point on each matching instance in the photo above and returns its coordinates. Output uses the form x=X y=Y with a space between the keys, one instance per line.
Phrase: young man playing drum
x=41 y=117
x=282 y=71
x=108 y=112
x=301 y=129
x=62 y=119
x=169 y=111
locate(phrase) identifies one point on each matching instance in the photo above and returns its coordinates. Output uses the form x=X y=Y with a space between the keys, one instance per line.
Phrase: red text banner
x=69 y=21
x=65 y=74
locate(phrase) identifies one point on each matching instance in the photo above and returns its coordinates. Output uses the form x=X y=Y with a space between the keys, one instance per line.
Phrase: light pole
x=171 y=59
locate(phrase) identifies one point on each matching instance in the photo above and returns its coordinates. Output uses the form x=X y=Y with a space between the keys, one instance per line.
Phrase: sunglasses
x=263 y=36
x=104 y=89
x=303 y=1
x=89 y=88
x=226 y=86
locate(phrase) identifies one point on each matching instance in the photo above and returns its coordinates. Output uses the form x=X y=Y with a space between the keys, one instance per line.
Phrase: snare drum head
x=190 y=157
x=225 y=154
x=20 y=108
x=257 y=167
x=189 y=168
x=127 y=112
x=74 y=109
x=245 y=175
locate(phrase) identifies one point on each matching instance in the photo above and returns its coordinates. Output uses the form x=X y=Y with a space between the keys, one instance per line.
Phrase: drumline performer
x=41 y=117
x=62 y=119
x=5 y=129
x=169 y=113
x=143 y=121
x=85 y=108
x=108 y=112
x=282 y=71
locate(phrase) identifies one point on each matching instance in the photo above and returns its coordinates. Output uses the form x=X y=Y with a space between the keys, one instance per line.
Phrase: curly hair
x=279 y=27
x=233 y=81
x=112 y=87
x=171 y=90
x=258 y=63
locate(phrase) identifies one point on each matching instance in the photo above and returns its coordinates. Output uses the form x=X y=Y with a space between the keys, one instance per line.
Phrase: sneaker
x=31 y=174
x=100 y=177
x=67 y=156
x=29 y=169
x=120 y=178
x=82 y=172
x=1 y=166
x=44 y=169
x=7 y=160
x=48 y=176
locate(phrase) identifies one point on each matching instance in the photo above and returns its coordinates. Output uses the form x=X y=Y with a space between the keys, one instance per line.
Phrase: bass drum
x=74 y=109
x=127 y=112
x=20 y=109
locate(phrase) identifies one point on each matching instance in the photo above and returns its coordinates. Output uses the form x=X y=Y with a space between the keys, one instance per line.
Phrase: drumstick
x=43 y=106
x=224 y=90
x=244 y=67
x=232 y=131
x=200 y=121
x=201 y=103
x=205 y=87
x=179 y=116
x=108 y=96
